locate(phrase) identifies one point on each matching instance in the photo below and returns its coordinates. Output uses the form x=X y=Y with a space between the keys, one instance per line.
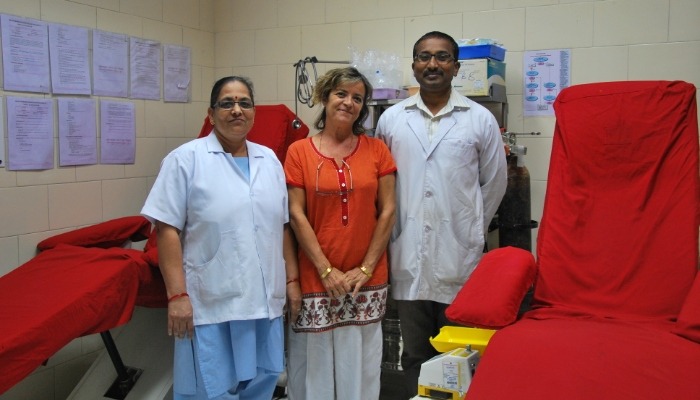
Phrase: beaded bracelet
x=365 y=271
x=177 y=296
x=292 y=280
x=326 y=272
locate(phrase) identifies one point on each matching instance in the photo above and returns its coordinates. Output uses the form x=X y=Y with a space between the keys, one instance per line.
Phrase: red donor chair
x=616 y=306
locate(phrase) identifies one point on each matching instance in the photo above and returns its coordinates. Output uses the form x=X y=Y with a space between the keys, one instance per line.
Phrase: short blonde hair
x=331 y=80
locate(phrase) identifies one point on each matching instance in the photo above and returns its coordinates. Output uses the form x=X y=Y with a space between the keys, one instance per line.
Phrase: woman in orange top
x=342 y=206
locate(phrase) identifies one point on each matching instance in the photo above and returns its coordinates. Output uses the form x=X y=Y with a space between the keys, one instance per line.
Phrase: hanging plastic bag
x=382 y=69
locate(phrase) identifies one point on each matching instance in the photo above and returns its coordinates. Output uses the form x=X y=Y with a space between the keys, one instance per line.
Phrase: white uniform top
x=231 y=228
x=448 y=188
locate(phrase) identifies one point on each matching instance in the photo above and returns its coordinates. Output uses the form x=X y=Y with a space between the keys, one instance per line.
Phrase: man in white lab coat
x=450 y=180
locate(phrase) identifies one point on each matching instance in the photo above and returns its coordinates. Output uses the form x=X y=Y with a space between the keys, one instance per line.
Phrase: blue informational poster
x=545 y=74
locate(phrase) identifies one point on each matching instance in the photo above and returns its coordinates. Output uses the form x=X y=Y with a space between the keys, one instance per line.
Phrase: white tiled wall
x=37 y=204
x=609 y=39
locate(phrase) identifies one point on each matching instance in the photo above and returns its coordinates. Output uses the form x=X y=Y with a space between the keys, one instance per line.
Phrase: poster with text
x=2 y=138
x=29 y=133
x=546 y=73
x=70 y=61
x=118 y=132
x=25 y=54
x=110 y=64
x=176 y=73
x=144 y=70
x=77 y=132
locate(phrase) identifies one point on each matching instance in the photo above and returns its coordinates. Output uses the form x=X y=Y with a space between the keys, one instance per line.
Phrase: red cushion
x=688 y=323
x=59 y=295
x=492 y=295
x=586 y=359
x=112 y=233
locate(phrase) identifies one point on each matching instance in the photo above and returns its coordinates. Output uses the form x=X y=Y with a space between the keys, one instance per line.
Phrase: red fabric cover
x=62 y=294
x=150 y=250
x=617 y=254
x=152 y=291
x=619 y=232
x=112 y=233
x=688 y=323
x=586 y=359
x=478 y=303
x=152 y=241
x=272 y=128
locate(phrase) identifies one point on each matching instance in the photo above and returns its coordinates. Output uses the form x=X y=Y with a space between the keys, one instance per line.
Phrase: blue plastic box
x=482 y=51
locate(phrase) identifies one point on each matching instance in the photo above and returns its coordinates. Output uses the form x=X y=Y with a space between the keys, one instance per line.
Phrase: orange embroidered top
x=341 y=208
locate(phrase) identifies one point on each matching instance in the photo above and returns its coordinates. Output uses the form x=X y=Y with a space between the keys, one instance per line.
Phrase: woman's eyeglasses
x=227 y=105
x=441 y=57
x=344 y=190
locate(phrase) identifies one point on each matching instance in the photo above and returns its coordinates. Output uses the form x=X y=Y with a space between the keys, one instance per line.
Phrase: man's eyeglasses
x=342 y=182
x=227 y=105
x=442 y=57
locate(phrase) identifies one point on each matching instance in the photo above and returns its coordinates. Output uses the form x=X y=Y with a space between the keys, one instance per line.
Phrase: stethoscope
x=304 y=85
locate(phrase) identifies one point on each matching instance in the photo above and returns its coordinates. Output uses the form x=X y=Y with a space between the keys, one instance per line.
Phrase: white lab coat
x=231 y=228
x=448 y=190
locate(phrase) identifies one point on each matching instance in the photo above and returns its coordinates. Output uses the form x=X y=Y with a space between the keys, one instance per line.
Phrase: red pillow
x=492 y=295
x=112 y=233
x=688 y=323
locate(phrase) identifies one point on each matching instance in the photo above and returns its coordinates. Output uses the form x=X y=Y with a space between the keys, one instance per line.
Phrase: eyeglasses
x=342 y=182
x=442 y=57
x=227 y=105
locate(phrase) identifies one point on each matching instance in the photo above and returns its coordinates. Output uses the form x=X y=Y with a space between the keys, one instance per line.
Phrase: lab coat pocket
x=458 y=147
x=459 y=247
x=269 y=245
x=217 y=278
x=278 y=277
x=404 y=252
x=462 y=157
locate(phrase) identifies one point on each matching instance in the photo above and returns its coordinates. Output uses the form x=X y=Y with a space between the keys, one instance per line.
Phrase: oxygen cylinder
x=514 y=223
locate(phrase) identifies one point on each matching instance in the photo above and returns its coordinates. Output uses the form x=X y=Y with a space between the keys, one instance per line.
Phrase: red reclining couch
x=616 y=308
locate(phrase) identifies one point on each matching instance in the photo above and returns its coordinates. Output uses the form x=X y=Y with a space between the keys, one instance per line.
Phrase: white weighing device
x=448 y=375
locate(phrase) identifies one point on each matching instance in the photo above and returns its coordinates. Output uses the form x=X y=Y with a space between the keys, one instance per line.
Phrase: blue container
x=482 y=51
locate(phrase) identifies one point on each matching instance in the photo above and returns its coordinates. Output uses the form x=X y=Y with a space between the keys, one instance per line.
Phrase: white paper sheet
x=110 y=64
x=176 y=71
x=25 y=54
x=546 y=73
x=2 y=137
x=144 y=69
x=77 y=132
x=118 y=132
x=30 y=133
x=69 y=55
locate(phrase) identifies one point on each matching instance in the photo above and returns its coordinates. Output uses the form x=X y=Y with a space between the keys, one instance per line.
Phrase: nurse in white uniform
x=219 y=204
